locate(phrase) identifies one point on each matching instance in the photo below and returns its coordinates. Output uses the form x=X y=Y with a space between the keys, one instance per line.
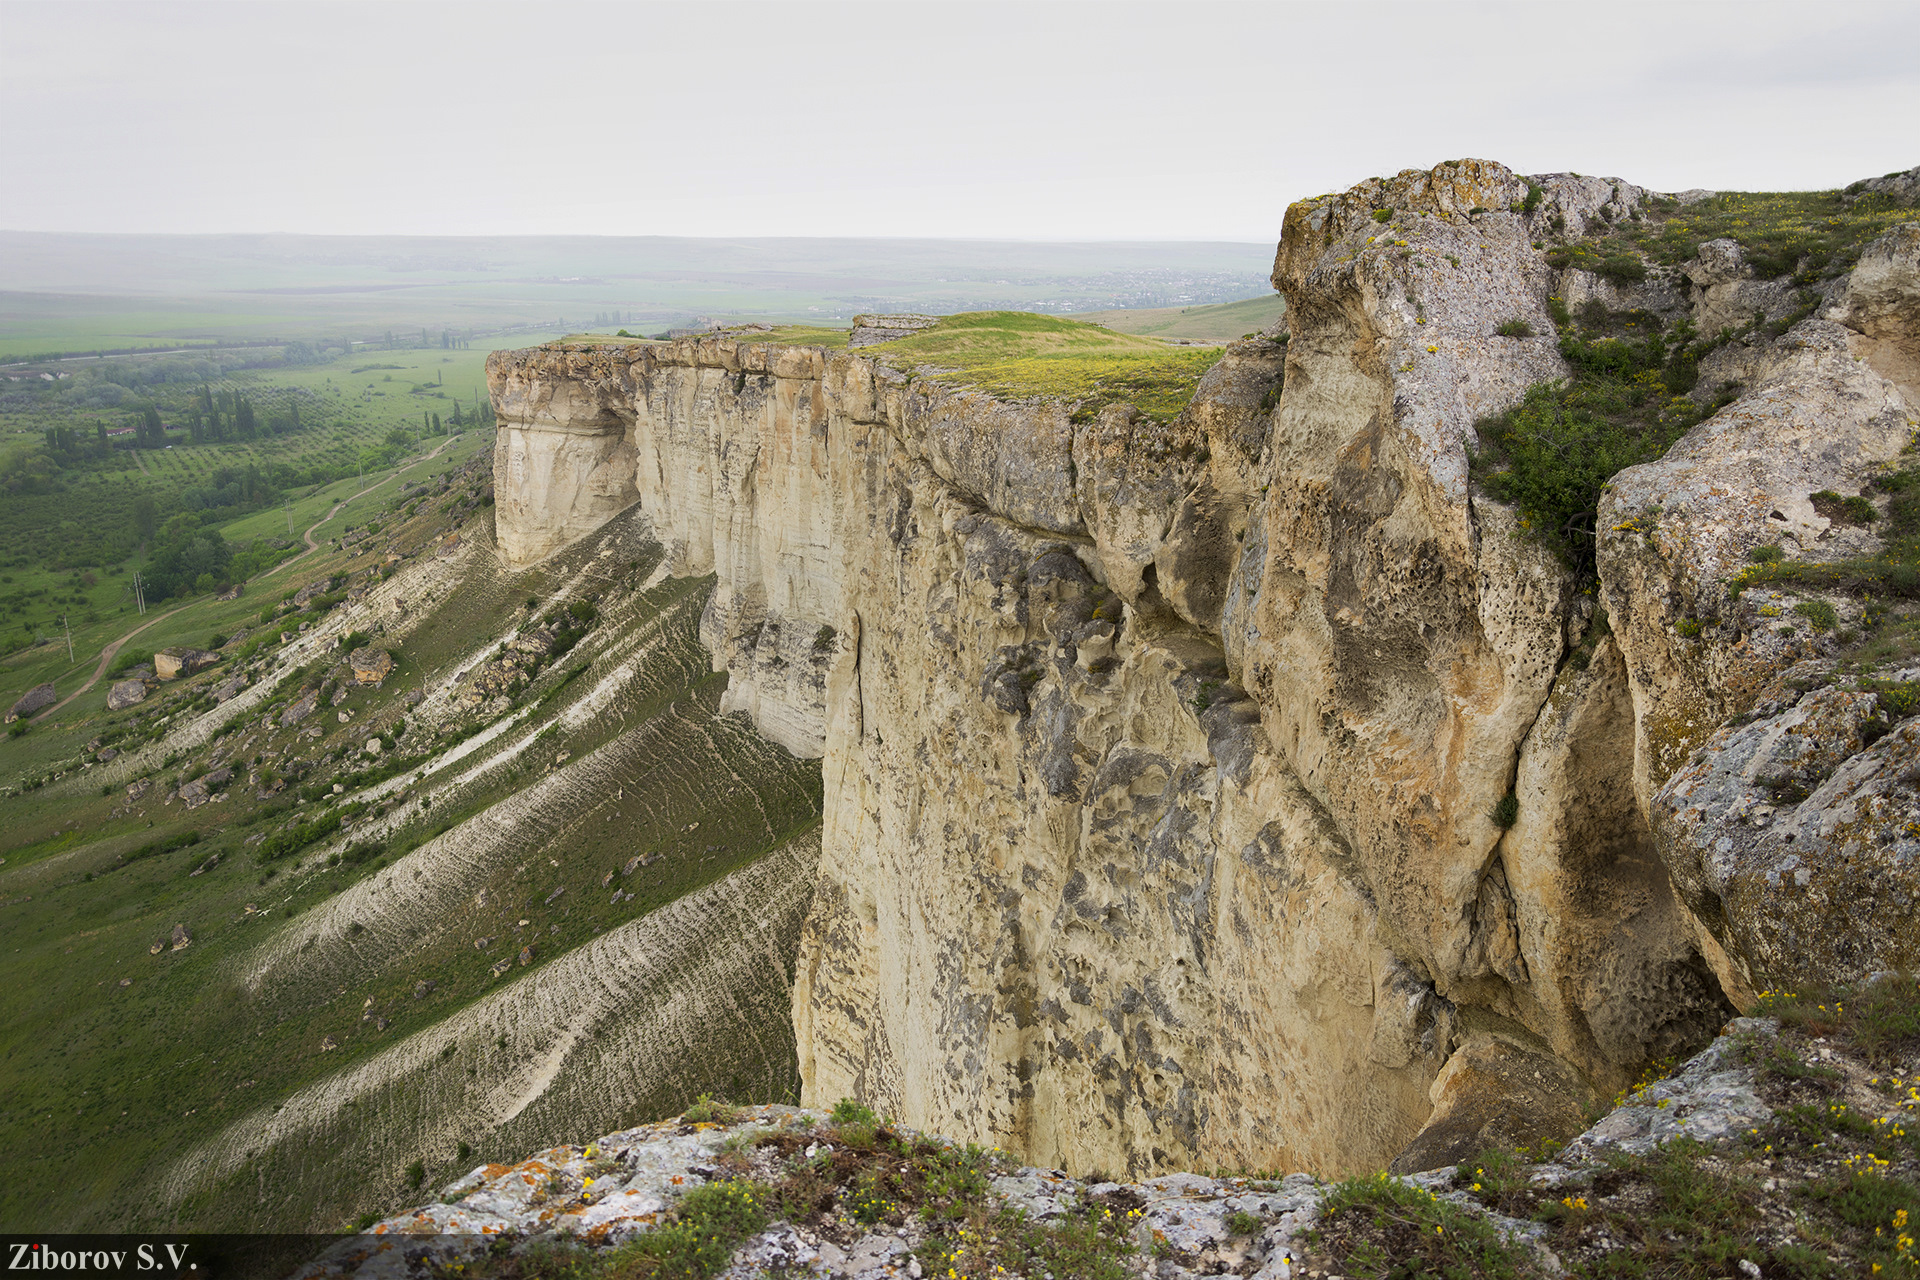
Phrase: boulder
x=194 y=794
x=231 y=593
x=125 y=693
x=38 y=698
x=870 y=330
x=536 y=641
x=227 y=688
x=170 y=664
x=370 y=665
x=181 y=939
x=1496 y=1093
x=300 y=708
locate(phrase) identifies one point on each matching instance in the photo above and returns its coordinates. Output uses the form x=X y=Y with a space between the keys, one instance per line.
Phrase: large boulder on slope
x=38 y=698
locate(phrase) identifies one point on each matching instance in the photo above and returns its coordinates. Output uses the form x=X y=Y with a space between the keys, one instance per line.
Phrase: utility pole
x=289 y=517
x=63 y=622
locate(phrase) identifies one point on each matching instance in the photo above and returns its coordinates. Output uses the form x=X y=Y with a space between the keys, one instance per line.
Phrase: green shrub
x=1506 y=811
x=1551 y=454
x=1622 y=268
x=1844 y=510
x=1380 y=1226
x=707 y=1109
x=1766 y=553
x=847 y=1111
x=1383 y=215
x=709 y=1224
x=1898 y=700
x=1515 y=328
x=416 y=1174
x=1689 y=627
x=1818 y=613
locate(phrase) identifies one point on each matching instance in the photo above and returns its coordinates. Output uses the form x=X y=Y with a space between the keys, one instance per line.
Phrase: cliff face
x=1161 y=759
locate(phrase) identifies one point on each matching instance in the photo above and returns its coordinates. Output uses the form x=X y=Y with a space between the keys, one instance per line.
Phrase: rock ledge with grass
x=1789 y=1128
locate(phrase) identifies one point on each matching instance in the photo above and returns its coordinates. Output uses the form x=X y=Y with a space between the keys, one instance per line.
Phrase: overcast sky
x=1034 y=120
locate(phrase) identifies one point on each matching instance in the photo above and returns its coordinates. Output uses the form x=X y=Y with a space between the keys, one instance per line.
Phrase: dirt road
x=106 y=657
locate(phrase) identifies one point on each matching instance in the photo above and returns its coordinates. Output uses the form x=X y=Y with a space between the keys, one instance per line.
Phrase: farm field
x=69 y=549
x=71 y=294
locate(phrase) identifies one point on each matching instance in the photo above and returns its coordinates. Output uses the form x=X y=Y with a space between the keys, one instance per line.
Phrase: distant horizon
x=1051 y=121
x=621 y=235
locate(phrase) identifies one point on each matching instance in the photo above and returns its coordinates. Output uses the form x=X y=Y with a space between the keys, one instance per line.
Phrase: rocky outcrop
x=370 y=665
x=171 y=664
x=617 y=1188
x=38 y=698
x=124 y=693
x=869 y=331
x=562 y=462
x=1162 y=759
x=1795 y=833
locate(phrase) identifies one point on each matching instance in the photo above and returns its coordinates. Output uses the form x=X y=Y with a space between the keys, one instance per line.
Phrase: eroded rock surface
x=619 y=1187
x=1162 y=759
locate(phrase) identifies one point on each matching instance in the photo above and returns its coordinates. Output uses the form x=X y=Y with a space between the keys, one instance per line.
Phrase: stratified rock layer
x=1161 y=759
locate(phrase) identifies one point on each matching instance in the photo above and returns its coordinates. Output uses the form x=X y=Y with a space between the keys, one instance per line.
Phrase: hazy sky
x=912 y=118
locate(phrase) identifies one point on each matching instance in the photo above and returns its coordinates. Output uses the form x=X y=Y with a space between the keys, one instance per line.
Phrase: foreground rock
x=626 y=1185
x=370 y=665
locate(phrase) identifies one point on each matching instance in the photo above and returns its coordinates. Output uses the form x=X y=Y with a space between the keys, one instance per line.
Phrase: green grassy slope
x=1018 y=354
x=325 y=984
x=1220 y=322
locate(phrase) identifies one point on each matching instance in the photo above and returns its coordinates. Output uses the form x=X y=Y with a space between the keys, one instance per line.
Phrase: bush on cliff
x=1552 y=454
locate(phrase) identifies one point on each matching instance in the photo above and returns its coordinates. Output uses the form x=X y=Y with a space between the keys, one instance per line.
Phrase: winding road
x=107 y=654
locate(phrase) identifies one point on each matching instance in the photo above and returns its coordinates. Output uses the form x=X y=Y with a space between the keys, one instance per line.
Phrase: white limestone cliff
x=1160 y=759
